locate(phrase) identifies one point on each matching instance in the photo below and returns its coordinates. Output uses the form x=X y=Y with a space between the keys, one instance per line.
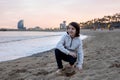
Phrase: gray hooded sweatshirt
x=67 y=44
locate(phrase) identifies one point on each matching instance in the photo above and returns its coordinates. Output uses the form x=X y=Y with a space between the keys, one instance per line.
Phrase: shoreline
x=101 y=61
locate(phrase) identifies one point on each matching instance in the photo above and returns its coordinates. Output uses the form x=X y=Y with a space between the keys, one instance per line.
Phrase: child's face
x=71 y=31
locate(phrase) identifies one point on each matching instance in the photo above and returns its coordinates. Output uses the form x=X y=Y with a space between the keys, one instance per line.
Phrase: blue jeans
x=62 y=56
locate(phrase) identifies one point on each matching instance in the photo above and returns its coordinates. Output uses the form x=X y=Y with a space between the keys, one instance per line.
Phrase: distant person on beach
x=69 y=48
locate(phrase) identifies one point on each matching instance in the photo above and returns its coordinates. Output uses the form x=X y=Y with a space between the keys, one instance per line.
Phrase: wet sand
x=101 y=61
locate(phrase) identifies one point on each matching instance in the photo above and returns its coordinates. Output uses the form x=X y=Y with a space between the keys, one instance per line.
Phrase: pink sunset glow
x=50 y=13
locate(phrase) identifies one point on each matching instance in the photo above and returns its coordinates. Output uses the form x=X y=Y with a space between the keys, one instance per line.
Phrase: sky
x=50 y=13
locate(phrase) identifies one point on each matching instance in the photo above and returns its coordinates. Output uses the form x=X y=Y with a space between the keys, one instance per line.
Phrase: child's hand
x=73 y=54
x=79 y=67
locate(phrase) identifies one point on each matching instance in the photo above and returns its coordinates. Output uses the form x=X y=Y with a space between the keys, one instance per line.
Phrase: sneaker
x=59 y=72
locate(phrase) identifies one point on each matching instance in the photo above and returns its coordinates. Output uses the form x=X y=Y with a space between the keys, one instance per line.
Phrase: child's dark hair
x=77 y=27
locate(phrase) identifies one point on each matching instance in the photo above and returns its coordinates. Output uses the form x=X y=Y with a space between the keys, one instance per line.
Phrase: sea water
x=16 y=44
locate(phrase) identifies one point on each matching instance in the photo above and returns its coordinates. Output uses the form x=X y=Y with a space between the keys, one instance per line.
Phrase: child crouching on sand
x=69 y=48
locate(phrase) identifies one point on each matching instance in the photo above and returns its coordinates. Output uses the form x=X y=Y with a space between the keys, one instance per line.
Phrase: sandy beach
x=101 y=61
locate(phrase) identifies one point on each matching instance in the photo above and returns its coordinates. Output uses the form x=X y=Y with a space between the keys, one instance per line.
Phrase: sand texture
x=101 y=61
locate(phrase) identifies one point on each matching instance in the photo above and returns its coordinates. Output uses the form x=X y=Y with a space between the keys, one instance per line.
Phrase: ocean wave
x=9 y=41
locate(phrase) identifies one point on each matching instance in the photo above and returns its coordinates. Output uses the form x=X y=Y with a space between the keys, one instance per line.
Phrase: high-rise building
x=21 y=25
x=63 y=25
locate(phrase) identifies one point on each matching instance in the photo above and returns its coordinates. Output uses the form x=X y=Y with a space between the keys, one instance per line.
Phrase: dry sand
x=101 y=61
